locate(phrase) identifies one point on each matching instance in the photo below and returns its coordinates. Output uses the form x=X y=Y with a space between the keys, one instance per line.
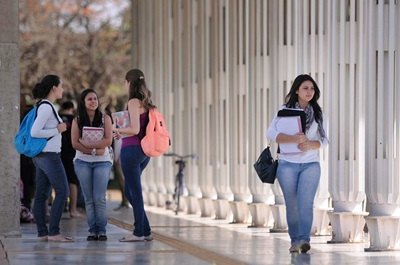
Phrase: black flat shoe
x=92 y=238
x=102 y=238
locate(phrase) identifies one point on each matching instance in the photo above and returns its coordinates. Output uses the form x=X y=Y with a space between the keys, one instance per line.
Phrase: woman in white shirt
x=299 y=173
x=50 y=171
x=92 y=161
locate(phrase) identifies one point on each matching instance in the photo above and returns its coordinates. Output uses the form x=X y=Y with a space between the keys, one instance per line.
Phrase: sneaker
x=294 y=248
x=148 y=238
x=304 y=246
x=92 y=237
x=102 y=237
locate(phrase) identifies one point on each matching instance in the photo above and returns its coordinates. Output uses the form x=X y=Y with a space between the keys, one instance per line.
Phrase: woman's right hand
x=300 y=138
x=116 y=134
x=62 y=127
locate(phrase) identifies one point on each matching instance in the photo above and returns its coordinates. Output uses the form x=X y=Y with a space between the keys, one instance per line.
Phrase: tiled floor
x=183 y=239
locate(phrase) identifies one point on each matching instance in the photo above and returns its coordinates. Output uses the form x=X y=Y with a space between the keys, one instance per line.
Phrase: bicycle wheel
x=178 y=191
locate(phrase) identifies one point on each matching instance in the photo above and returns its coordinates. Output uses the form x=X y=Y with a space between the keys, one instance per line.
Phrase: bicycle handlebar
x=193 y=156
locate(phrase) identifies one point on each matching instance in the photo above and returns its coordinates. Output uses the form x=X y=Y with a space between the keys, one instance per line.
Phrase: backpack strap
x=52 y=108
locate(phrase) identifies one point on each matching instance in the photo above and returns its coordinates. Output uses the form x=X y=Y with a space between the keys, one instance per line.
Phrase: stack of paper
x=289 y=126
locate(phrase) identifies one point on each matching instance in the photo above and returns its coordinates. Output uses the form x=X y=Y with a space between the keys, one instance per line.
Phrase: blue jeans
x=93 y=178
x=50 y=173
x=133 y=162
x=299 y=183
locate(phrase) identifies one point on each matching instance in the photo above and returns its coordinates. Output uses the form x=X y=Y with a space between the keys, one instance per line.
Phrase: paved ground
x=182 y=239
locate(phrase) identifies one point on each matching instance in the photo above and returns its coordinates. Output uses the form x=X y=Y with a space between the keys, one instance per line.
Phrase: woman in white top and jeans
x=50 y=171
x=299 y=173
x=93 y=162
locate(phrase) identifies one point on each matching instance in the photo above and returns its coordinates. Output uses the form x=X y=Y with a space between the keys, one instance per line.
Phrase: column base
x=145 y=197
x=279 y=214
x=320 y=226
x=222 y=209
x=206 y=207
x=347 y=227
x=192 y=204
x=240 y=211
x=152 y=198
x=261 y=215
x=161 y=199
x=384 y=233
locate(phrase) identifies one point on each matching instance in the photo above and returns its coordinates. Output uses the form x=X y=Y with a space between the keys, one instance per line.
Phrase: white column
x=347 y=122
x=222 y=116
x=383 y=128
x=279 y=88
x=258 y=99
x=239 y=110
x=204 y=112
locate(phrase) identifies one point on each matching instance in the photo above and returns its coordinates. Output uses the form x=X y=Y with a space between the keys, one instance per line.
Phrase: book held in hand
x=121 y=119
x=92 y=134
x=289 y=125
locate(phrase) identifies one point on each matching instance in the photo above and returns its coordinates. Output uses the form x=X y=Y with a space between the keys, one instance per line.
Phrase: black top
x=67 y=151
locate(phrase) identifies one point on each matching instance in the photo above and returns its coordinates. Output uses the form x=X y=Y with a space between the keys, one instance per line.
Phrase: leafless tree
x=86 y=42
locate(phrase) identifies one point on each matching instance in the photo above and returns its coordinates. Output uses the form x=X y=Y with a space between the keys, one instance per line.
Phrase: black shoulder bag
x=266 y=166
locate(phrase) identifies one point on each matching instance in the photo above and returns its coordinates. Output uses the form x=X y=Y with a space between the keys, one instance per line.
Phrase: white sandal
x=132 y=238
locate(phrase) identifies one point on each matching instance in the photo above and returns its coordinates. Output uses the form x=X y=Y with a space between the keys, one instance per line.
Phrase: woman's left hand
x=307 y=145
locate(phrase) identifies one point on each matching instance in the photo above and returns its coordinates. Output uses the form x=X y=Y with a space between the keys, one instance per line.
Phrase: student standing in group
x=133 y=160
x=50 y=172
x=299 y=173
x=93 y=162
x=67 y=156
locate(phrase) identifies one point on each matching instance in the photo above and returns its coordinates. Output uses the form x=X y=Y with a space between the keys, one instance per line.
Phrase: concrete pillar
x=9 y=118
x=347 y=122
x=383 y=128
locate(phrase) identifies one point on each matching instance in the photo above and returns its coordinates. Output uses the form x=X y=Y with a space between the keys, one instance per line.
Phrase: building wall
x=220 y=69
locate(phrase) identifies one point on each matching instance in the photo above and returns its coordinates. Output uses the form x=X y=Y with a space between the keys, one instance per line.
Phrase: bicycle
x=178 y=191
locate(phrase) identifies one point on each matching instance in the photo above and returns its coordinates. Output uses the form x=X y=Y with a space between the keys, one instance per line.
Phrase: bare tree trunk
x=9 y=118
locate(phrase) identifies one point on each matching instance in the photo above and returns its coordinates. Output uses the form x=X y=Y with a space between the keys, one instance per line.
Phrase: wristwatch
x=93 y=152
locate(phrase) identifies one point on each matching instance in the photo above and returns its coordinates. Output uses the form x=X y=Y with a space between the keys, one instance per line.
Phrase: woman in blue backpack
x=133 y=160
x=50 y=172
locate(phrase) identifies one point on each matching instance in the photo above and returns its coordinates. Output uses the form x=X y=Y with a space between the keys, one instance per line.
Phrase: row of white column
x=219 y=70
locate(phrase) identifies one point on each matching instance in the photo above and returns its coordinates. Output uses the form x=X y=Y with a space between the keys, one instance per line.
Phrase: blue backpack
x=23 y=141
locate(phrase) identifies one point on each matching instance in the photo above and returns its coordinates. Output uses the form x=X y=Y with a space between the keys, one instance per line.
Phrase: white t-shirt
x=303 y=157
x=45 y=126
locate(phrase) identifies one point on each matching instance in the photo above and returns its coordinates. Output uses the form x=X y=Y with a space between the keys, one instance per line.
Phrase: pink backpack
x=157 y=140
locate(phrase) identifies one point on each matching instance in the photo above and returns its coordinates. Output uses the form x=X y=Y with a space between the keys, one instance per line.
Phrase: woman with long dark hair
x=93 y=161
x=299 y=172
x=133 y=160
x=50 y=171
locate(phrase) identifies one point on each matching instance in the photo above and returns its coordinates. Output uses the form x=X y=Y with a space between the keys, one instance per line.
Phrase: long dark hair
x=292 y=98
x=41 y=90
x=138 y=88
x=83 y=117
